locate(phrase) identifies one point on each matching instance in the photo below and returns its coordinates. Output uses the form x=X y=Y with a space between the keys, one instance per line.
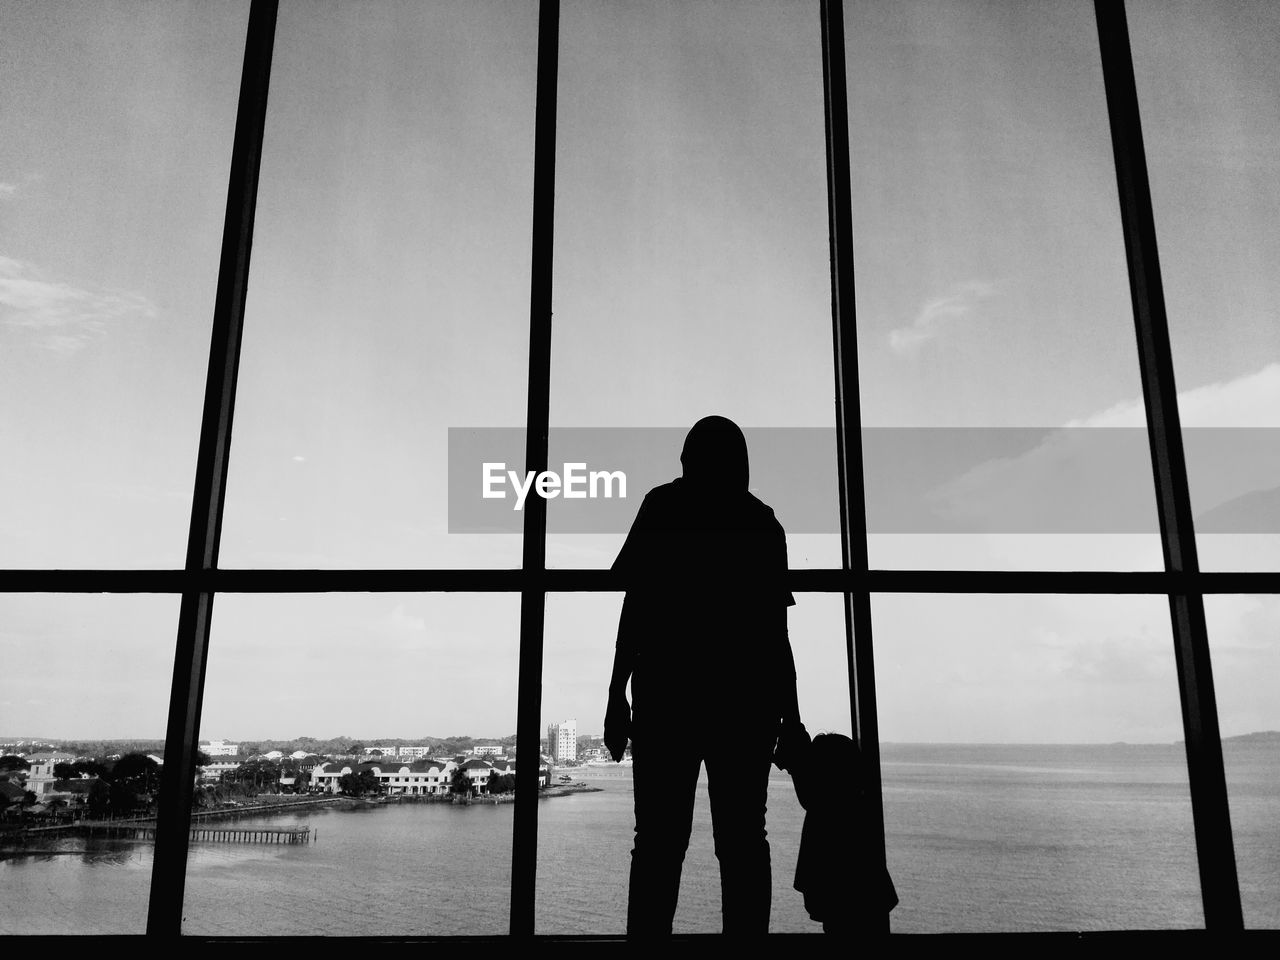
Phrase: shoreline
x=16 y=839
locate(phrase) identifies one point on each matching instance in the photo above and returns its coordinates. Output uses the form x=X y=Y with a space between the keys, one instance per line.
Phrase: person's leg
x=664 y=792
x=738 y=785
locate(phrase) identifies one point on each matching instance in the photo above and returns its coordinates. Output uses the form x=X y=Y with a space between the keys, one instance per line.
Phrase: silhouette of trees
x=460 y=783
x=99 y=799
x=137 y=772
x=255 y=775
x=133 y=775
x=359 y=784
x=10 y=762
x=502 y=783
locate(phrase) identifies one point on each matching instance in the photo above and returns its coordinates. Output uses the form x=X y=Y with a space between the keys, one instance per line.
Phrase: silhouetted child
x=835 y=873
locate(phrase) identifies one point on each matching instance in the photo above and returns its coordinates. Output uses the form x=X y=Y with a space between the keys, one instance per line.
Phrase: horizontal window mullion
x=605 y=581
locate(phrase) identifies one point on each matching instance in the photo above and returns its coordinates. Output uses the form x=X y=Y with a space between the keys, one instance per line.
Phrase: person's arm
x=623 y=657
x=793 y=739
x=617 y=719
x=631 y=563
x=790 y=702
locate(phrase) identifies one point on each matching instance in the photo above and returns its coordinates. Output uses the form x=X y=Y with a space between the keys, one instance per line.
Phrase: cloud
x=299 y=459
x=958 y=303
x=1094 y=474
x=1094 y=653
x=61 y=316
x=7 y=190
x=1252 y=400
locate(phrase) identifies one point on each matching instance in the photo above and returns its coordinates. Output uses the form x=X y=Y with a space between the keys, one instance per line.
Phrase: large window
x=558 y=218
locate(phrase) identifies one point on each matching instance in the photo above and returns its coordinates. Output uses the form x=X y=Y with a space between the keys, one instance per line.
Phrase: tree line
x=120 y=787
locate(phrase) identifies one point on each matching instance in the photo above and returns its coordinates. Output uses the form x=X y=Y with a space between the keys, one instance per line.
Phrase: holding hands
x=793 y=744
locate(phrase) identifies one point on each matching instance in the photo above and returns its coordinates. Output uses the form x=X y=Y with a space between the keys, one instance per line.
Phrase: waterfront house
x=40 y=778
x=74 y=792
x=213 y=772
x=420 y=778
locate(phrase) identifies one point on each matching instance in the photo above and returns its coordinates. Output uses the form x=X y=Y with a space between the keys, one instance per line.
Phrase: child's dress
x=832 y=873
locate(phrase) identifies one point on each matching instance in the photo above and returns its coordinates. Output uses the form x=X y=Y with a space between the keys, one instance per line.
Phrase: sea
x=979 y=838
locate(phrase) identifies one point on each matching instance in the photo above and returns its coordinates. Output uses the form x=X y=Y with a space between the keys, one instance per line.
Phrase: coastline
x=17 y=840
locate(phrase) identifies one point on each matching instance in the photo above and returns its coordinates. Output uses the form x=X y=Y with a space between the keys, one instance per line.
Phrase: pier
x=289 y=835
x=139 y=828
x=199 y=834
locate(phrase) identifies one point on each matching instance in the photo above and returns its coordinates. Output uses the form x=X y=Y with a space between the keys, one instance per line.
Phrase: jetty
x=200 y=833
x=204 y=825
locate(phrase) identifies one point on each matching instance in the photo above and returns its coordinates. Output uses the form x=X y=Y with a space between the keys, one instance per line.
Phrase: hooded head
x=715 y=455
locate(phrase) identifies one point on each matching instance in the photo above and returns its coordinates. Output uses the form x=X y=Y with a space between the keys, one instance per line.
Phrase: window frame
x=201 y=579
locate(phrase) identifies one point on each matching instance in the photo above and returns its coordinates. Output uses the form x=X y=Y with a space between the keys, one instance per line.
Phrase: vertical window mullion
x=173 y=822
x=1218 y=880
x=533 y=596
x=853 y=512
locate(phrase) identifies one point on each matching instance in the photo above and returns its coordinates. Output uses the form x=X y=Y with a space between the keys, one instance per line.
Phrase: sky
x=388 y=302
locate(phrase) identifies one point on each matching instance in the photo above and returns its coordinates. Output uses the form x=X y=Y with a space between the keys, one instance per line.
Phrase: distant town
x=50 y=782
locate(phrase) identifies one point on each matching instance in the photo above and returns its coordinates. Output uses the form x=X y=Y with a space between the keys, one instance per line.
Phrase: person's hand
x=617 y=726
x=793 y=743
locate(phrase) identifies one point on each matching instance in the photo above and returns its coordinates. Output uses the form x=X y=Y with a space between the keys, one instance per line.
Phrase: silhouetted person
x=703 y=640
x=834 y=871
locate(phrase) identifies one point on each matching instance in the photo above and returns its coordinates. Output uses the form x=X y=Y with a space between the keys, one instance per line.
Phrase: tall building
x=562 y=740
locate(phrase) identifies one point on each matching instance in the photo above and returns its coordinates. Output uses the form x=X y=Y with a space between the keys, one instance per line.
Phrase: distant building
x=220 y=748
x=413 y=753
x=478 y=771
x=75 y=791
x=54 y=756
x=562 y=741
x=40 y=778
x=488 y=749
x=420 y=778
x=215 y=770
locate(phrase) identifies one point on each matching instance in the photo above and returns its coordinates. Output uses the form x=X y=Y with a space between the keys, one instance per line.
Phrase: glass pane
x=691 y=264
x=82 y=730
x=994 y=322
x=1034 y=774
x=116 y=123
x=1246 y=663
x=585 y=829
x=1209 y=85
x=389 y=296
x=345 y=718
